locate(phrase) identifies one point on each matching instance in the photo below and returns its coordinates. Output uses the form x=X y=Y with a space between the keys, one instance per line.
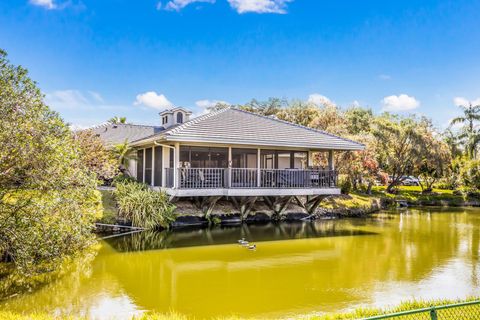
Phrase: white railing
x=204 y=178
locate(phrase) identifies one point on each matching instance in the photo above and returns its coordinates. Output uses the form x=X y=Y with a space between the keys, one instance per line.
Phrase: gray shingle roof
x=235 y=126
x=112 y=134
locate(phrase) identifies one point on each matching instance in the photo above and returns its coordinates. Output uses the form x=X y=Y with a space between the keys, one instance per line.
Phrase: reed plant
x=143 y=206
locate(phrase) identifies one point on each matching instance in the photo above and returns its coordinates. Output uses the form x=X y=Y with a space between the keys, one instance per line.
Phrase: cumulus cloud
x=259 y=6
x=205 y=104
x=355 y=104
x=177 y=5
x=47 y=4
x=401 y=102
x=461 y=101
x=384 y=77
x=153 y=100
x=319 y=99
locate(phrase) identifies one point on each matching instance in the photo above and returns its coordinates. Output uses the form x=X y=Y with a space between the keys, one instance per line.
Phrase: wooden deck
x=188 y=182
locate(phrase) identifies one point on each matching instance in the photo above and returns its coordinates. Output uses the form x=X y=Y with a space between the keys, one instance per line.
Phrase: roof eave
x=352 y=147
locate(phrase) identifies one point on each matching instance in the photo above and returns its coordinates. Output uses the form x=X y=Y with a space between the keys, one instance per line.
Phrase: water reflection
x=190 y=237
x=297 y=268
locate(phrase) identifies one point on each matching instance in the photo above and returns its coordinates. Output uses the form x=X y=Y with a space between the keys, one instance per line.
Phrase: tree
x=434 y=161
x=117 y=120
x=265 y=108
x=358 y=120
x=299 y=112
x=399 y=145
x=95 y=156
x=471 y=114
x=453 y=140
x=48 y=198
x=361 y=167
x=123 y=154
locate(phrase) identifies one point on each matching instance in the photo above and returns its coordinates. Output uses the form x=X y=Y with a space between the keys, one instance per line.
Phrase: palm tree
x=470 y=133
x=122 y=152
x=117 y=120
x=453 y=140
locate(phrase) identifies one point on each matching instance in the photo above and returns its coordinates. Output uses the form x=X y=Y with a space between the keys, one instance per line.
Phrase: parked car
x=410 y=181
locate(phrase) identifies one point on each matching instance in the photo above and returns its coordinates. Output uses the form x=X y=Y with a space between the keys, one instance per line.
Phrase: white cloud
x=355 y=104
x=205 y=104
x=259 y=6
x=177 y=5
x=401 y=102
x=153 y=100
x=319 y=99
x=48 y=4
x=461 y=101
x=96 y=96
x=384 y=77
x=66 y=99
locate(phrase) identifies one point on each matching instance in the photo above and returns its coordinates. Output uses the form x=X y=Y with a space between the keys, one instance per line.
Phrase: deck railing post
x=259 y=173
x=228 y=173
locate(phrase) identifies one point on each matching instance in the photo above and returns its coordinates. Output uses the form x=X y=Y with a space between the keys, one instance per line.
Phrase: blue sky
x=96 y=59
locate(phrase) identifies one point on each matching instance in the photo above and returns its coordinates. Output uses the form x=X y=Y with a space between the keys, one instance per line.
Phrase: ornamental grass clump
x=143 y=206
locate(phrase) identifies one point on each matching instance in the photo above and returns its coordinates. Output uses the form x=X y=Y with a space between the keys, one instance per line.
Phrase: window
x=244 y=158
x=204 y=157
x=164 y=119
x=272 y=159
x=268 y=159
x=179 y=117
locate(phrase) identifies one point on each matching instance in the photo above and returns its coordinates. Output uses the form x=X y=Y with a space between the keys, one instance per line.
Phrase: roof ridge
x=296 y=125
x=104 y=124
x=194 y=121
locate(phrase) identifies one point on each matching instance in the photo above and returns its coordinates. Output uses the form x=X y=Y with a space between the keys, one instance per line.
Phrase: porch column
x=165 y=164
x=229 y=170
x=176 y=165
x=258 y=168
x=331 y=164
x=153 y=166
x=144 y=158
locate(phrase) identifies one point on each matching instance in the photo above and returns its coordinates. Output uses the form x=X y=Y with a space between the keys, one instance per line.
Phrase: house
x=233 y=153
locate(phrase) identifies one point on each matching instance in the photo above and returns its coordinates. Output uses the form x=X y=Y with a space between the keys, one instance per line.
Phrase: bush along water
x=144 y=207
x=48 y=196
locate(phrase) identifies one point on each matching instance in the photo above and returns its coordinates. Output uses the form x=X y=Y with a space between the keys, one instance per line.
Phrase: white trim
x=176 y=165
x=249 y=192
x=259 y=176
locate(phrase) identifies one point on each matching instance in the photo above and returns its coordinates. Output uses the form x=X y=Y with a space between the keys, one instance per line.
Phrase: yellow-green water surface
x=297 y=269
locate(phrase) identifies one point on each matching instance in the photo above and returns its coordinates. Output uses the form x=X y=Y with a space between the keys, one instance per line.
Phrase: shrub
x=95 y=156
x=143 y=206
x=122 y=178
x=345 y=184
x=48 y=197
x=470 y=174
x=445 y=184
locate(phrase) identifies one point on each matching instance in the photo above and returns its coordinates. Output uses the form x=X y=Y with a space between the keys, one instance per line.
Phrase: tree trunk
x=369 y=187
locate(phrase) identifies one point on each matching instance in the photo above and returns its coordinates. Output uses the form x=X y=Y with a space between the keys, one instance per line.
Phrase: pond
x=297 y=268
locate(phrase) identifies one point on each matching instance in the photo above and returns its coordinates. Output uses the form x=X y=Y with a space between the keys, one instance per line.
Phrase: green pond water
x=297 y=269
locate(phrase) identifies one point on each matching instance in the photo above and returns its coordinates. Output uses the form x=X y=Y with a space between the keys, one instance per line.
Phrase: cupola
x=174 y=116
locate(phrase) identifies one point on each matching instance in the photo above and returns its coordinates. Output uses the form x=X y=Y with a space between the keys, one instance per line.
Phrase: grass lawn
x=414 y=194
x=469 y=312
